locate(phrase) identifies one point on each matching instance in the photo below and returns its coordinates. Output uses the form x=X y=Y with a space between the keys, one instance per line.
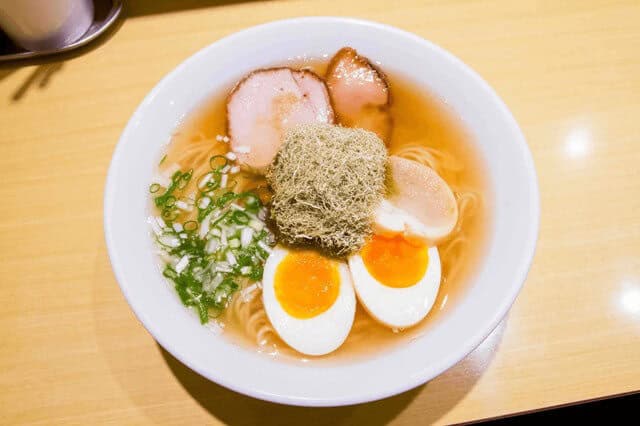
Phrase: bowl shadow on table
x=112 y=315
x=231 y=407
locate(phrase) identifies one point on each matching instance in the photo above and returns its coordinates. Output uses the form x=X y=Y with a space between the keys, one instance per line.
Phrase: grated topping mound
x=327 y=181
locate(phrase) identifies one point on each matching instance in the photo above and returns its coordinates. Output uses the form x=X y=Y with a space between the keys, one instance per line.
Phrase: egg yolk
x=306 y=284
x=395 y=262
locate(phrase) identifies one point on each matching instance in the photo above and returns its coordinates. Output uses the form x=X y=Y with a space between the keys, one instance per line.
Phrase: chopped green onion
x=224 y=248
x=182 y=205
x=190 y=226
x=246 y=235
x=223 y=267
x=226 y=197
x=182 y=264
x=252 y=202
x=256 y=274
x=218 y=162
x=231 y=258
x=169 y=240
x=170 y=273
x=209 y=181
x=240 y=217
x=155 y=226
x=256 y=224
x=212 y=245
x=185 y=179
x=170 y=214
x=264 y=247
x=204 y=202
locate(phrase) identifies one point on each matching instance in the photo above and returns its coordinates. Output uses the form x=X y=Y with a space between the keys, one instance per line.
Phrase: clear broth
x=419 y=118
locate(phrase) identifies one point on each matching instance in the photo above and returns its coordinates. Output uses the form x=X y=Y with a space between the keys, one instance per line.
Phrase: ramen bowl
x=492 y=288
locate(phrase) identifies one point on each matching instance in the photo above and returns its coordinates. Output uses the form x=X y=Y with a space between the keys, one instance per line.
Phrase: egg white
x=390 y=220
x=321 y=334
x=397 y=307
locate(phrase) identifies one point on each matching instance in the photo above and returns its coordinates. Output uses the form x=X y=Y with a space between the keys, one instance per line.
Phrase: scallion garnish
x=240 y=217
x=190 y=225
x=218 y=162
x=222 y=249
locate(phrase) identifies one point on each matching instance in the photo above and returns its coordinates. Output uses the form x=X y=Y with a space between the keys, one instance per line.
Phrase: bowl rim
x=528 y=245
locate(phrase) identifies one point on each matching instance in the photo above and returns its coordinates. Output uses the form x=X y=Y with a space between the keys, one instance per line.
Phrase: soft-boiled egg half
x=309 y=299
x=422 y=198
x=397 y=273
x=390 y=221
x=396 y=279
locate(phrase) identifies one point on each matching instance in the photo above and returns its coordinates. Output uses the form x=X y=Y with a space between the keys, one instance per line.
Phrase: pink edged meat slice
x=359 y=93
x=315 y=91
x=268 y=102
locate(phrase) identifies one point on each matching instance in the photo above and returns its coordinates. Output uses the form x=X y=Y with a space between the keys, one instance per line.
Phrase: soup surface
x=419 y=119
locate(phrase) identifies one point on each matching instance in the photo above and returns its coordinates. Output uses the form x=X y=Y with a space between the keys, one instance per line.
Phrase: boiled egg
x=396 y=279
x=427 y=202
x=309 y=299
x=390 y=221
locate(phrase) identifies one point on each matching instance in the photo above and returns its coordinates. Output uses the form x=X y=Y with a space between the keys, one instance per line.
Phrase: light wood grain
x=71 y=350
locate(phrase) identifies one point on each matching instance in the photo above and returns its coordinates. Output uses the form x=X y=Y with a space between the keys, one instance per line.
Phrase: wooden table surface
x=71 y=350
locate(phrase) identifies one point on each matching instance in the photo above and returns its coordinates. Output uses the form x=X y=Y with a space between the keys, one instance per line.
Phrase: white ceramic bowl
x=494 y=287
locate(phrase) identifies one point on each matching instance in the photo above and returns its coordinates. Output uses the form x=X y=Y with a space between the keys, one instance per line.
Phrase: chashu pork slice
x=359 y=92
x=268 y=102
